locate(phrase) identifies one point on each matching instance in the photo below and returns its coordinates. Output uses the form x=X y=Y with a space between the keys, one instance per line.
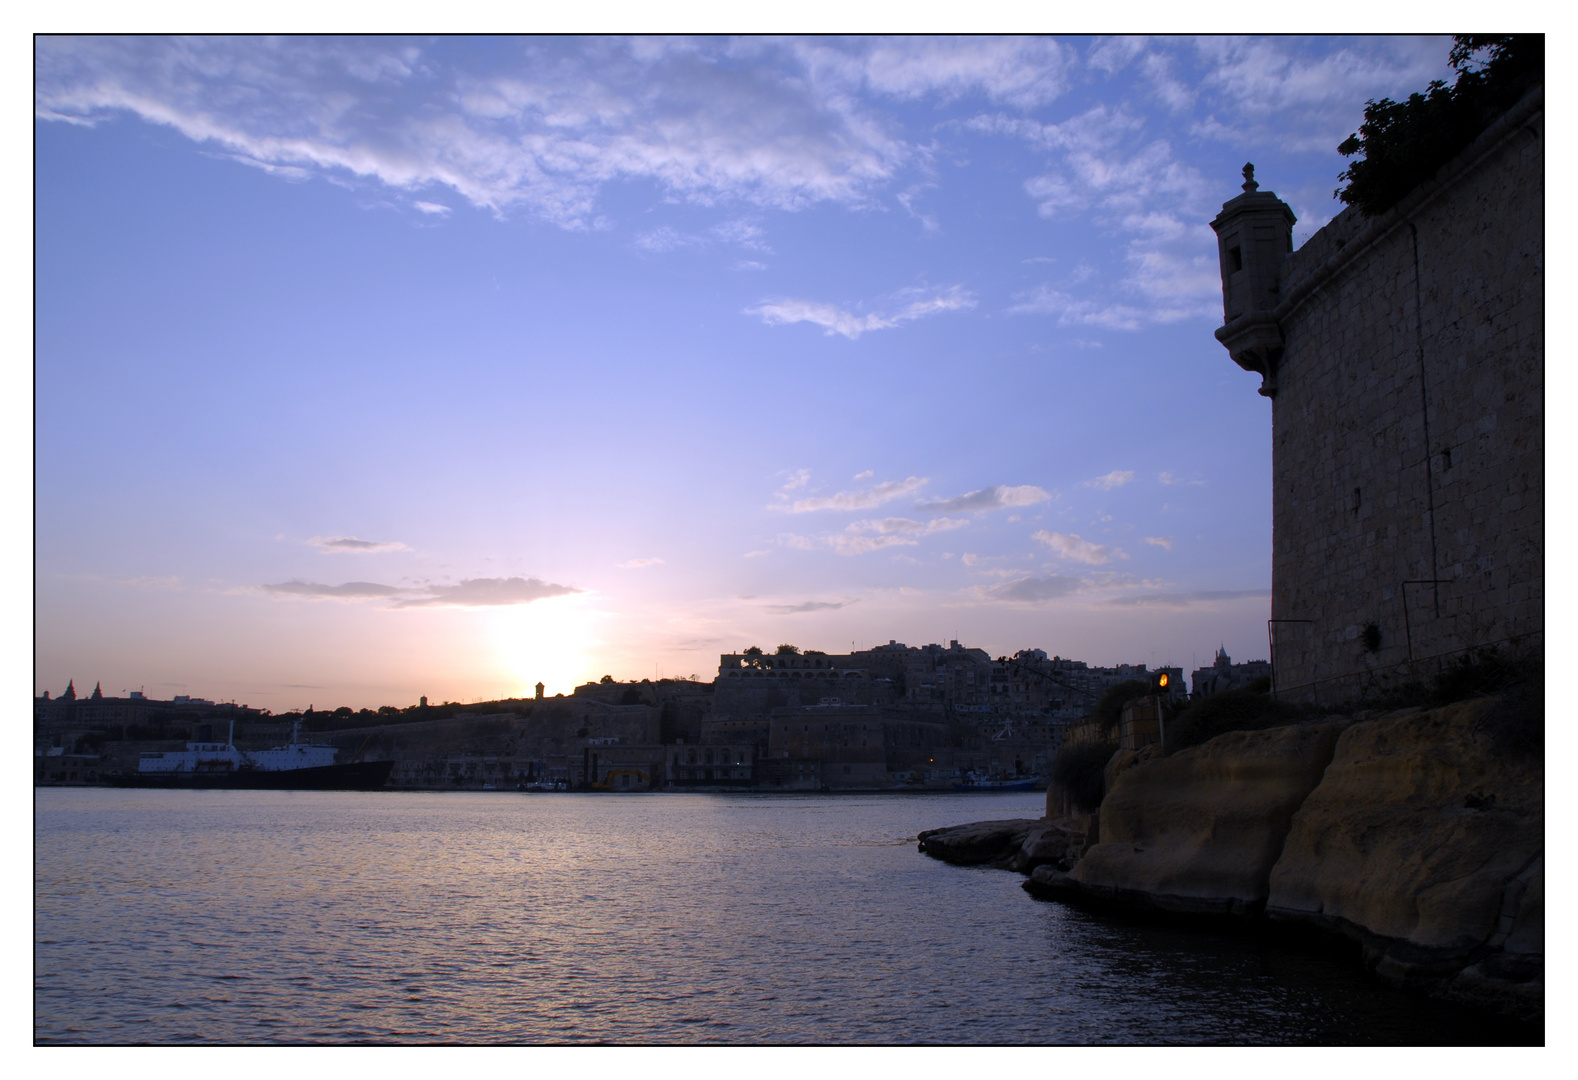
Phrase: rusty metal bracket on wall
x=1271 y=650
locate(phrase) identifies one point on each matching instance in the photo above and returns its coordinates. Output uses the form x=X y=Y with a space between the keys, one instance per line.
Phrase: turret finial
x=1249 y=177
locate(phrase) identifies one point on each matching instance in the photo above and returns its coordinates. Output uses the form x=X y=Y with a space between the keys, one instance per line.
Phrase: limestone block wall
x=1408 y=422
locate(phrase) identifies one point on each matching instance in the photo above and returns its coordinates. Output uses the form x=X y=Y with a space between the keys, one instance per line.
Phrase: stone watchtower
x=1403 y=353
x=1254 y=233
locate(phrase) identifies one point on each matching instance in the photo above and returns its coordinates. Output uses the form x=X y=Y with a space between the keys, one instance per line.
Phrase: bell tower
x=1254 y=233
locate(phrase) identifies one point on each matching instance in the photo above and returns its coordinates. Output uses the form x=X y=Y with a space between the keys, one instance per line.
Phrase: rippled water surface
x=250 y=917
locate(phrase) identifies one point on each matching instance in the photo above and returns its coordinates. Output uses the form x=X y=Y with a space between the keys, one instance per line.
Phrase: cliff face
x=1419 y=834
x=1425 y=843
x=1200 y=831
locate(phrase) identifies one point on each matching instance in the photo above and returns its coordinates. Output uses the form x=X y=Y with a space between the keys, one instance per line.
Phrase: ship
x=296 y=766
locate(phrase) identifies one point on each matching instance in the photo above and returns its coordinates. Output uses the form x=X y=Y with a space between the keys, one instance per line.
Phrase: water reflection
x=498 y=917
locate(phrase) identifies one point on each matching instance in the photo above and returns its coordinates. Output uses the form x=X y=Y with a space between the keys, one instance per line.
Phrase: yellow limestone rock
x=1424 y=841
x=1200 y=830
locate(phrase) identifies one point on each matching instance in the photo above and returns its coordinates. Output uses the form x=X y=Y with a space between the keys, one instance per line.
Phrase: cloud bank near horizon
x=471 y=592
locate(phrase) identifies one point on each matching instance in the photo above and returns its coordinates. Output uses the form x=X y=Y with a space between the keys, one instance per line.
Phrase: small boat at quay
x=981 y=783
x=296 y=766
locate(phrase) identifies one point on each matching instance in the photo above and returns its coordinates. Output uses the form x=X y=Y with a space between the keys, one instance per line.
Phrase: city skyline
x=369 y=369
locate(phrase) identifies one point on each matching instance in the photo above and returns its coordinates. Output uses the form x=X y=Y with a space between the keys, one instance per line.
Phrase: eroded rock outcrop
x=1420 y=834
x=1425 y=842
x=1016 y=844
x=994 y=842
x=1199 y=831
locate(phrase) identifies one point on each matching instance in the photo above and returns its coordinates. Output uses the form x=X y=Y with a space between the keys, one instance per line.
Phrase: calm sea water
x=266 y=917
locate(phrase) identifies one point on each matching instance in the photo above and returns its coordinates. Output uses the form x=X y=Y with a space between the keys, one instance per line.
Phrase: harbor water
x=499 y=917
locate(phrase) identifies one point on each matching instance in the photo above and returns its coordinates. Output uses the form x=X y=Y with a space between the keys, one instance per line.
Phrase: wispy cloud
x=351 y=590
x=542 y=126
x=1021 y=71
x=350 y=545
x=637 y=564
x=1046 y=300
x=907 y=526
x=1165 y=542
x=905 y=306
x=1032 y=590
x=488 y=592
x=809 y=606
x=666 y=238
x=998 y=497
x=797 y=479
x=1190 y=599
x=876 y=495
x=739 y=232
x=431 y=208
x=850 y=544
x=874 y=534
x=473 y=592
x=1115 y=479
x=1075 y=548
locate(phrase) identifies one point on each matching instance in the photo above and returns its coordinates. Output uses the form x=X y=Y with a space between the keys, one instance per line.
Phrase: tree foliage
x=1110 y=708
x=1235 y=710
x=1401 y=144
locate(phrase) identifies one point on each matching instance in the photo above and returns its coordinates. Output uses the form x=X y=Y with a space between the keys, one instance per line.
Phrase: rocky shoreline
x=1416 y=838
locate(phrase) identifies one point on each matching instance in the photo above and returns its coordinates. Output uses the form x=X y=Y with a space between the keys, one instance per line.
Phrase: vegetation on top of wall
x=1110 y=708
x=1247 y=709
x=1473 y=675
x=1401 y=144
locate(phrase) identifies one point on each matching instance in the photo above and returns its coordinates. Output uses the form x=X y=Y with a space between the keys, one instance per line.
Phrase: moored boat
x=1027 y=783
x=295 y=766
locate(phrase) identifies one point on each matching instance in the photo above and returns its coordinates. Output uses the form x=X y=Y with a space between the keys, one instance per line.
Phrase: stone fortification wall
x=1408 y=424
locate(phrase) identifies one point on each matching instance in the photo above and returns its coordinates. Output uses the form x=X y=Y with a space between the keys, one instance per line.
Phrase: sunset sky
x=368 y=369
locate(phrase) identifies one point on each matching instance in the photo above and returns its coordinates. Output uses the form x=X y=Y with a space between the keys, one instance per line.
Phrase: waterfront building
x=1225 y=675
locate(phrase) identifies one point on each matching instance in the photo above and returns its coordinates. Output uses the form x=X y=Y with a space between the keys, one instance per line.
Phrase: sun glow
x=551 y=641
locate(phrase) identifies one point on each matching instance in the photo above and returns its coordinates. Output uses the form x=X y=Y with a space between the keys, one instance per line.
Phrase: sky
x=367 y=369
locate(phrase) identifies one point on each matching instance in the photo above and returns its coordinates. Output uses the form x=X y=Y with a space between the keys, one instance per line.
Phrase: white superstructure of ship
x=208 y=758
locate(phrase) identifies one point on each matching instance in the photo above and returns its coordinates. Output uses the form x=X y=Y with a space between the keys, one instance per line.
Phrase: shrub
x=1483 y=671
x=1110 y=708
x=1402 y=144
x=1078 y=771
x=1235 y=710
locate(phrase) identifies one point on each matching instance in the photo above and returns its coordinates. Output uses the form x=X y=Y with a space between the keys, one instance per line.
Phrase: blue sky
x=368 y=369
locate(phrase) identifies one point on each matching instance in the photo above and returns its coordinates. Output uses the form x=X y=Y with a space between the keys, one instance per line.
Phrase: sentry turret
x=1254 y=233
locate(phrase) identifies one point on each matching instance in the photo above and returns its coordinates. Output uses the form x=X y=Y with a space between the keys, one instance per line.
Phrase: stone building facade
x=1404 y=358
x=1224 y=675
